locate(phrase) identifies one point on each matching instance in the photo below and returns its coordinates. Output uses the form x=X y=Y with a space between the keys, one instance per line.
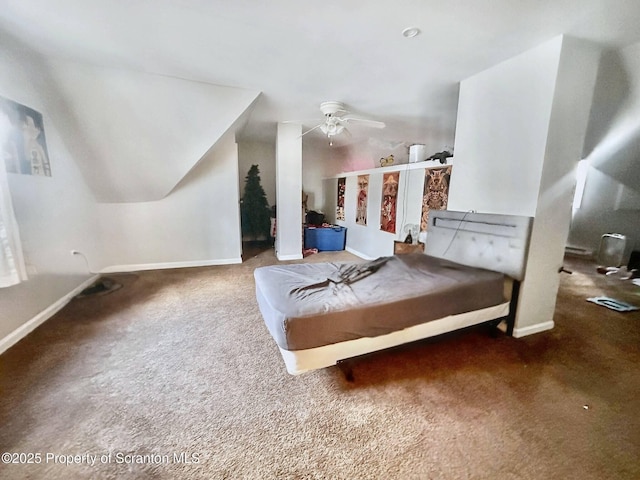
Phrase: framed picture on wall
x=24 y=147
x=342 y=186
x=363 y=193
x=389 y=199
x=436 y=192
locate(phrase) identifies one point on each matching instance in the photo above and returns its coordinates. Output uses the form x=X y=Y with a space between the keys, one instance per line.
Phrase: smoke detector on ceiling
x=411 y=32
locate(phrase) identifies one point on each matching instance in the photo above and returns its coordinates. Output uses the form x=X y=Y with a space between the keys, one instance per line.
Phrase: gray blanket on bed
x=314 y=304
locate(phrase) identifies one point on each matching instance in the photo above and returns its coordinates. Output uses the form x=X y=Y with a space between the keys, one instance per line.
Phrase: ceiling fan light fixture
x=332 y=128
x=334 y=122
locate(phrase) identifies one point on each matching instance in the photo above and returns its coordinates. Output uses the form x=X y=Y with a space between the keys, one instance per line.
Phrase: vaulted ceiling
x=301 y=53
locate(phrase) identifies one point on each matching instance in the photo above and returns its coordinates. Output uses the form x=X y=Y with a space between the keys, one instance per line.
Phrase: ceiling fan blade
x=301 y=122
x=364 y=121
x=311 y=129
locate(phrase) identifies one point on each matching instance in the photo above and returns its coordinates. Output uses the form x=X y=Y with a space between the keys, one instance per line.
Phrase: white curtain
x=12 y=268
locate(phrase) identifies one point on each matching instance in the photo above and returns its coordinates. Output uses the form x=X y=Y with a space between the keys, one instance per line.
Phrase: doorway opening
x=253 y=248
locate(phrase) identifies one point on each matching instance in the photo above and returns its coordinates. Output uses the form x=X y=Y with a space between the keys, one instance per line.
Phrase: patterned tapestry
x=436 y=192
x=341 y=189
x=363 y=191
x=25 y=148
x=389 y=201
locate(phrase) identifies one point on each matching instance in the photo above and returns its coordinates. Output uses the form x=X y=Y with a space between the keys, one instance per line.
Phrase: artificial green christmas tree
x=254 y=208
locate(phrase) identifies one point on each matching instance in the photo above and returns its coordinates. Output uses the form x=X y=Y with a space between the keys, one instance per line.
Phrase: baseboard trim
x=167 y=265
x=530 y=330
x=359 y=254
x=295 y=256
x=26 y=328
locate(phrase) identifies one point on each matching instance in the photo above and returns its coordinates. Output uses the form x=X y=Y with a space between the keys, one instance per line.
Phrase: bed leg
x=346 y=369
x=513 y=305
x=494 y=331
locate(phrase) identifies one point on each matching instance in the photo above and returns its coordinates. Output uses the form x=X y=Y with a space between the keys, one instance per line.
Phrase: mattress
x=310 y=305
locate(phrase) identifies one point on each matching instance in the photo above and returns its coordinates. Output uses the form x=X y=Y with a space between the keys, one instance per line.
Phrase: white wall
x=521 y=128
x=572 y=100
x=366 y=154
x=315 y=167
x=501 y=133
x=136 y=135
x=368 y=241
x=608 y=206
x=611 y=199
x=55 y=214
x=197 y=224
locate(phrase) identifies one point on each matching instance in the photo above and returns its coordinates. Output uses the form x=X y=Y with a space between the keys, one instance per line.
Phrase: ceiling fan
x=336 y=120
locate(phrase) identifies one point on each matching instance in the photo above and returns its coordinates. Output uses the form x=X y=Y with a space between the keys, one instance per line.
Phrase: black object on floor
x=102 y=286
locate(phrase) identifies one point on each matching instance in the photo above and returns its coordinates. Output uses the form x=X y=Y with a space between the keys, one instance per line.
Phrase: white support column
x=567 y=127
x=519 y=137
x=289 y=191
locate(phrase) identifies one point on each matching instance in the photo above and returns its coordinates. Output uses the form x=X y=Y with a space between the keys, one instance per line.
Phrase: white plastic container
x=417 y=153
x=611 y=249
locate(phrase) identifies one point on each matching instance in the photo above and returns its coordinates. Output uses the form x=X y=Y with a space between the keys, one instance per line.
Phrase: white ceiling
x=299 y=53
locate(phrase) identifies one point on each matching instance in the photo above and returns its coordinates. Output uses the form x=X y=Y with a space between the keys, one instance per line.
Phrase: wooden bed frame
x=490 y=241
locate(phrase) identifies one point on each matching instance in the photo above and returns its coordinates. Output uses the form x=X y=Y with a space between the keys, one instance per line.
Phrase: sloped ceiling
x=139 y=134
x=613 y=140
x=301 y=53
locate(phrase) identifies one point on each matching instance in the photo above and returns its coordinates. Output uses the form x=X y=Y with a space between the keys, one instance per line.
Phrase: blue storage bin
x=325 y=238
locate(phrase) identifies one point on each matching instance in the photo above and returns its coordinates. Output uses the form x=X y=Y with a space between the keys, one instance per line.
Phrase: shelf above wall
x=396 y=167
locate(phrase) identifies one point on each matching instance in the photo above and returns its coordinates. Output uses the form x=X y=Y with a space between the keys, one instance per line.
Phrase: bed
x=320 y=314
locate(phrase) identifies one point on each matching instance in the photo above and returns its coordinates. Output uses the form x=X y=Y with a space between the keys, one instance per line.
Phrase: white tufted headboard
x=483 y=240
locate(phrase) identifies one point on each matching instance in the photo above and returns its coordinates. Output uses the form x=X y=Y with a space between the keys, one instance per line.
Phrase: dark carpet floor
x=175 y=376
